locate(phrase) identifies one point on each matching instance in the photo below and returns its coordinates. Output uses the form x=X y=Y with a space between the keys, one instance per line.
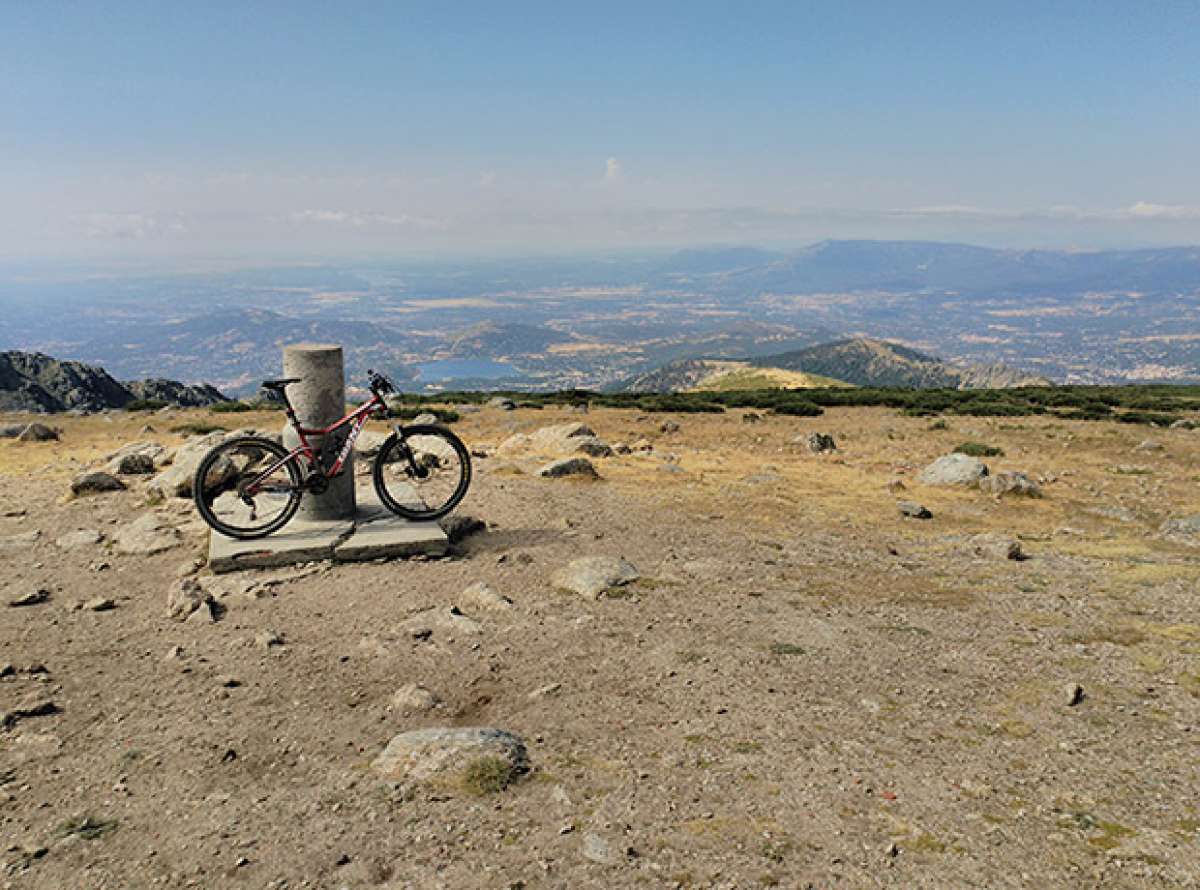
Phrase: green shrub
x=230 y=407
x=145 y=405
x=444 y=415
x=978 y=449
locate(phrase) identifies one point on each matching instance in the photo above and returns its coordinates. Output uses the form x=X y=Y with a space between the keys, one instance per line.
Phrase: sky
x=318 y=129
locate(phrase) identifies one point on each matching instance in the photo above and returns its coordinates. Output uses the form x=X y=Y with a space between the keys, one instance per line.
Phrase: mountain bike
x=249 y=487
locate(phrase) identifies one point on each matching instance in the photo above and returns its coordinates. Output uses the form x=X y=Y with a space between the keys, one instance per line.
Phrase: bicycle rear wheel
x=423 y=473
x=246 y=488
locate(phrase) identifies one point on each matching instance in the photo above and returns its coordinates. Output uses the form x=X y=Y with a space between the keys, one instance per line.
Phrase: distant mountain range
x=855 y=362
x=30 y=381
x=908 y=266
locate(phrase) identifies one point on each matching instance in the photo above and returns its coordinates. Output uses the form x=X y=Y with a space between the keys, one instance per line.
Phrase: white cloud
x=1147 y=210
x=121 y=226
x=361 y=220
x=613 y=172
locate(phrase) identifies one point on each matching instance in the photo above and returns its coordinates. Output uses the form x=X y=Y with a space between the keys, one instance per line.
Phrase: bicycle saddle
x=280 y=385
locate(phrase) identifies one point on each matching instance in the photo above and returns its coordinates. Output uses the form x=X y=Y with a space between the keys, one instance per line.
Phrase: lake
x=463 y=369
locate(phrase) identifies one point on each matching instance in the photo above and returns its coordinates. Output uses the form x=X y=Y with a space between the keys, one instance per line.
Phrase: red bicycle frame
x=357 y=419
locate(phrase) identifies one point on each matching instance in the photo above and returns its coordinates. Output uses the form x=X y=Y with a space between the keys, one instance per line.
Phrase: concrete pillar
x=319 y=400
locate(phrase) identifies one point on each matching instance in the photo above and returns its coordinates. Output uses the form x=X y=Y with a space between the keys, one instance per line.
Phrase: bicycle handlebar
x=380 y=385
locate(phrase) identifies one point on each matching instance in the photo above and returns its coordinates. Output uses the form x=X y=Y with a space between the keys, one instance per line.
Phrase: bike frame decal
x=357 y=419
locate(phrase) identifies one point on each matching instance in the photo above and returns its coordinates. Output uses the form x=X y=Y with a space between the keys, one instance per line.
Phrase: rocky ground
x=779 y=675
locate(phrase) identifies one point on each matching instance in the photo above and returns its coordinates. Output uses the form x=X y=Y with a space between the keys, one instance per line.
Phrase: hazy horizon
x=132 y=131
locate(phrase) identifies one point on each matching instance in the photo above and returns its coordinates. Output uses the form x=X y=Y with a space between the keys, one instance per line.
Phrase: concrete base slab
x=374 y=533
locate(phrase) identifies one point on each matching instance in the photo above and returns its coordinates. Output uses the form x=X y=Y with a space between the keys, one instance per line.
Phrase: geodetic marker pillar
x=320 y=400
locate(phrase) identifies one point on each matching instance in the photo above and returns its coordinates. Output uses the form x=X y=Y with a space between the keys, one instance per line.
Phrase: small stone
x=914 y=510
x=267 y=639
x=668 y=426
x=597 y=849
x=99 y=604
x=545 y=691
x=229 y=682
x=449 y=753
x=38 y=432
x=820 y=443
x=458 y=526
x=578 y=467
x=30 y=597
x=480 y=596
x=1075 y=695
x=891 y=851
x=413 y=698
x=186 y=597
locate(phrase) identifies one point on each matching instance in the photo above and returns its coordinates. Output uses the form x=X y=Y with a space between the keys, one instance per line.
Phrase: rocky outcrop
x=31 y=381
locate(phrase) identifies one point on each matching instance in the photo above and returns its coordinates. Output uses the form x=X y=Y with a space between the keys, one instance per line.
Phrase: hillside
x=30 y=381
x=866 y=362
x=716 y=374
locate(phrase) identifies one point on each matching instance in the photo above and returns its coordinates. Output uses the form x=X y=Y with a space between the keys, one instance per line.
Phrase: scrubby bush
x=145 y=405
x=978 y=449
x=230 y=407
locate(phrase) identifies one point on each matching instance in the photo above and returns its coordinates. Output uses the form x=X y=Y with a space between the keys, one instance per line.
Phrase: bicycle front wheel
x=422 y=473
x=247 y=488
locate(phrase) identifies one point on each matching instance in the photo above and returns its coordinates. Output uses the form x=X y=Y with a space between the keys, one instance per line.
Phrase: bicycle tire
x=382 y=460
x=231 y=531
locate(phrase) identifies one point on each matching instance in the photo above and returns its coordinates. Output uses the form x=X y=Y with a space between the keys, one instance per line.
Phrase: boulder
x=96 y=482
x=452 y=755
x=146 y=536
x=579 y=467
x=668 y=426
x=159 y=455
x=369 y=443
x=591 y=576
x=38 y=432
x=504 y=404
x=426 y=419
x=993 y=546
x=954 y=469
x=1010 y=483
x=176 y=480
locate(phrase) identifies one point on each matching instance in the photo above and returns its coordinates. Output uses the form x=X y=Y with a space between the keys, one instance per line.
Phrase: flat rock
x=96 y=482
x=579 y=467
x=84 y=537
x=186 y=597
x=99 y=604
x=993 y=546
x=132 y=465
x=146 y=536
x=19 y=541
x=504 y=404
x=914 y=510
x=591 y=576
x=954 y=469
x=480 y=596
x=176 y=480
x=30 y=597
x=446 y=753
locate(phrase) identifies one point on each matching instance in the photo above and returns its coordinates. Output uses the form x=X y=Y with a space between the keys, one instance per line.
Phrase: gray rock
x=597 y=849
x=570 y=466
x=459 y=526
x=992 y=546
x=133 y=465
x=1185 y=529
x=591 y=576
x=33 y=597
x=21 y=541
x=147 y=535
x=38 y=432
x=504 y=404
x=820 y=443
x=447 y=754
x=668 y=426
x=96 y=483
x=751 y=417
x=1010 y=483
x=159 y=455
x=426 y=419
x=480 y=596
x=267 y=639
x=176 y=480
x=1183 y=423
x=1075 y=695
x=954 y=469
x=591 y=446
x=84 y=537
x=914 y=510
x=1148 y=445
x=413 y=698
x=186 y=597
x=99 y=604
x=12 y=430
